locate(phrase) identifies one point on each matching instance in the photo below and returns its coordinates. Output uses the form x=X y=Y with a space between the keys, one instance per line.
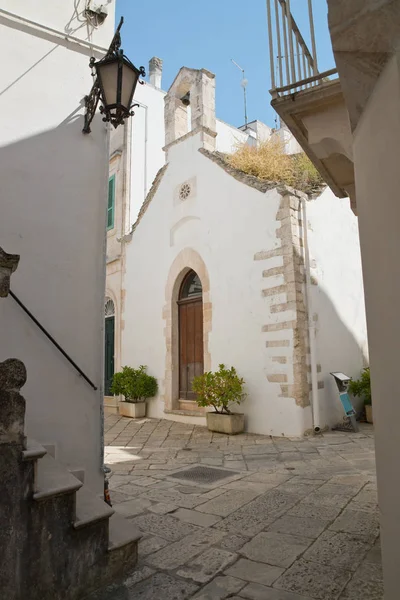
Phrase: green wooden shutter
x=111 y=202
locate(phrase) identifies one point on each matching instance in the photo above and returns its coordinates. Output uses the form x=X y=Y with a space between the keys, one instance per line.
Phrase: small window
x=191 y=286
x=109 y=310
x=111 y=203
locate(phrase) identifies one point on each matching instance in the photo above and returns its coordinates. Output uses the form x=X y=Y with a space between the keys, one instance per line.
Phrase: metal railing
x=293 y=66
x=53 y=341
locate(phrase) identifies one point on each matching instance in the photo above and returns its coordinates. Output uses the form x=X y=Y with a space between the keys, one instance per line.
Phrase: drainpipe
x=311 y=326
x=145 y=147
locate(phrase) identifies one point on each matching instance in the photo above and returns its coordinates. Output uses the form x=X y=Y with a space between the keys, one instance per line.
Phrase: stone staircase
x=58 y=539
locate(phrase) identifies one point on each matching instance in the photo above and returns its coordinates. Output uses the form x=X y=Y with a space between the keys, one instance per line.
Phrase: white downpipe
x=145 y=145
x=311 y=327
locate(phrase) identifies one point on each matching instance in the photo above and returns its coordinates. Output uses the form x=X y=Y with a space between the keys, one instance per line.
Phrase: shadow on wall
x=53 y=213
x=337 y=349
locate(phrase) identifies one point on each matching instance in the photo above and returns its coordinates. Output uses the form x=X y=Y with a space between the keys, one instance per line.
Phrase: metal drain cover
x=203 y=474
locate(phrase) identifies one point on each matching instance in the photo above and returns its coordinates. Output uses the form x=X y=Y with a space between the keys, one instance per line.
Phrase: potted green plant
x=362 y=388
x=135 y=385
x=220 y=390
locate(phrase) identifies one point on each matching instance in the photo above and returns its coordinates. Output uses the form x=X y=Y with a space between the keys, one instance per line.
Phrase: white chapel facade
x=220 y=267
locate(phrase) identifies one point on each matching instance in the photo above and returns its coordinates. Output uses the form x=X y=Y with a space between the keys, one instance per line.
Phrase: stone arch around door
x=187 y=260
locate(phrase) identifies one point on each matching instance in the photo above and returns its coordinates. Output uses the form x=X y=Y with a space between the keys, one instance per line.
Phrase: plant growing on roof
x=269 y=161
x=135 y=385
x=362 y=387
x=219 y=389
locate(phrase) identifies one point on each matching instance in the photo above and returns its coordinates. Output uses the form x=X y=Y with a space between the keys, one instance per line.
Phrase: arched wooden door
x=191 y=354
x=109 y=345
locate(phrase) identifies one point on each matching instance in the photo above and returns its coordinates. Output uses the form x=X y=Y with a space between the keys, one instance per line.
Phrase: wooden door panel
x=109 y=335
x=191 y=346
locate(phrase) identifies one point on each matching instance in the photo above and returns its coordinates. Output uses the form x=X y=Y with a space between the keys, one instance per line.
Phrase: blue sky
x=207 y=34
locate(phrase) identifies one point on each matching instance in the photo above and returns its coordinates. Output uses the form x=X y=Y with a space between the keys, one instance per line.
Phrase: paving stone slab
x=302 y=526
x=375 y=554
x=337 y=549
x=196 y=518
x=207 y=565
x=268 y=477
x=314 y=511
x=165 y=526
x=254 y=591
x=220 y=588
x=163 y=509
x=253 y=486
x=367 y=584
x=349 y=479
x=313 y=580
x=228 y=502
x=177 y=554
x=323 y=499
x=258 y=514
x=117 y=497
x=336 y=489
x=131 y=508
x=150 y=544
x=162 y=585
x=233 y=542
x=256 y=572
x=300 y=489
x=172 y=496
x=277 y=549
x=138 y=575
x=357 y=522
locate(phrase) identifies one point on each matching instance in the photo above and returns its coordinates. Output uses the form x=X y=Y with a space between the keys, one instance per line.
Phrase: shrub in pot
x=135 y=385
x=362 y=388
x=220 y=390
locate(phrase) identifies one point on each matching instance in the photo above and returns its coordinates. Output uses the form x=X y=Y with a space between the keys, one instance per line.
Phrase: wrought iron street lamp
x=115 y=82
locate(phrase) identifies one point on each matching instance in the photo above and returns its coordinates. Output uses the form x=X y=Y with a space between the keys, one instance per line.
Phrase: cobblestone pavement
x=296 y=519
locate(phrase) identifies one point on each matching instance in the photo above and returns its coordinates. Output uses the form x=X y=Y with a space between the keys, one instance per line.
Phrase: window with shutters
x=111 y=203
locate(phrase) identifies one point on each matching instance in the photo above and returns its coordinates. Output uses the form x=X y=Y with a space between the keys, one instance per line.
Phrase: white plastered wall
x=53 y=211
x=227 y=223
x=376 y=155
x=337 y=296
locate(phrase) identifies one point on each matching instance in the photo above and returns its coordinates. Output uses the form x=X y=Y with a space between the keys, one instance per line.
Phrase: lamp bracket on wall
x=109 y=87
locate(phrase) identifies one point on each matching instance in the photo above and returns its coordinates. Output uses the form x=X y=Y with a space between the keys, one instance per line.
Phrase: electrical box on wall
x=96 y=11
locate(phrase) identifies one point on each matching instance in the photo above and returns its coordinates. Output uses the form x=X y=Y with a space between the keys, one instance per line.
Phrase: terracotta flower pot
x=135 y=410
x=229 y=424
x=368 y=413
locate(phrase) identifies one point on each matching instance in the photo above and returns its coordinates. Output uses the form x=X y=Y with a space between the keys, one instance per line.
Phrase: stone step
x=90 y=508
x=185 y=413
x=121 y=533
x=191 y=406
x=51 y=449
x=33 y=451
x=53 y=479
x=79 y=474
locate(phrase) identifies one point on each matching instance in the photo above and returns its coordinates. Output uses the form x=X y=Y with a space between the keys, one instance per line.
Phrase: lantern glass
x=130 y=76
x=107 y=72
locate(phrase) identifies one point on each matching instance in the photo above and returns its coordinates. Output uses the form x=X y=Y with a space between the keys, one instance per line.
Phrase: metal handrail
x=53 y=341
x=295 y=64
x=303 y=82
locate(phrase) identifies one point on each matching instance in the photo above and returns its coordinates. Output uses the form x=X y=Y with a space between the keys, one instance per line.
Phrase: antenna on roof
x=243 y=83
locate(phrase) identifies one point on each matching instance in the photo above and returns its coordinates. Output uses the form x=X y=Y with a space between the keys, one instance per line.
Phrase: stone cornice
x=200 y=129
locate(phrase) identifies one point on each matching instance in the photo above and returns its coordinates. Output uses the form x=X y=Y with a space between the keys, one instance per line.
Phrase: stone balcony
x=318 y=118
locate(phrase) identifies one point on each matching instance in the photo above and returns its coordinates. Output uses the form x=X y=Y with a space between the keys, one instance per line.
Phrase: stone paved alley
x=296 y=520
